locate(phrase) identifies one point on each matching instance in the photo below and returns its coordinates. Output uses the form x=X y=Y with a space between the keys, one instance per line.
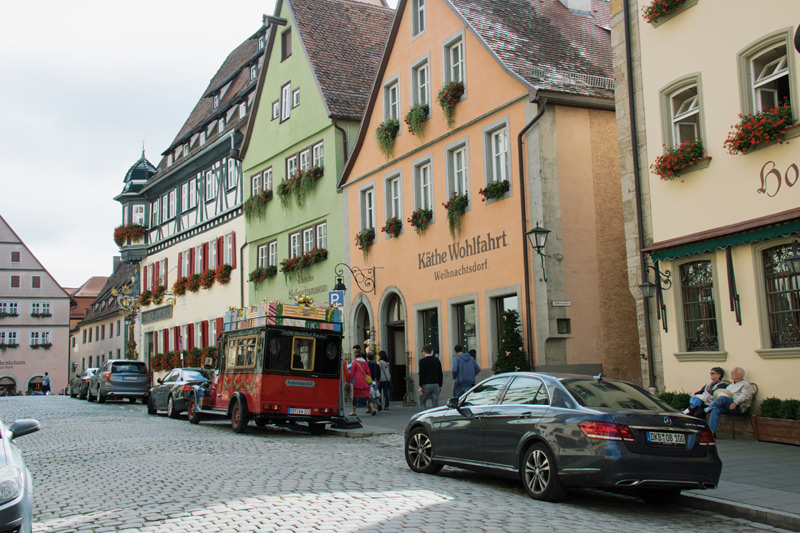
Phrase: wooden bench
x=744 y=414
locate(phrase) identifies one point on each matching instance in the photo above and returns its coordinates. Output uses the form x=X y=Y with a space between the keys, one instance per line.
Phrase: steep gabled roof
x=545 y=44
x=344 y=41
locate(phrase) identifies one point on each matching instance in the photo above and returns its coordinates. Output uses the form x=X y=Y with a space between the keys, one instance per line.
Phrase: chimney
x=117 y=261
x=578 y=7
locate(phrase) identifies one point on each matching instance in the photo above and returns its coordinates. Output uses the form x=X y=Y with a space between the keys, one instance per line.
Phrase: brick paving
x=112 y=467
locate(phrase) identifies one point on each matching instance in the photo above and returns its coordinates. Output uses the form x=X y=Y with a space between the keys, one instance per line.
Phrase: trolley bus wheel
x=238 y=417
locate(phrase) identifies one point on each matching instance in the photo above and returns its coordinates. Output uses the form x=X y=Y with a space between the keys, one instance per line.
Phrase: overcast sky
x=83 y=83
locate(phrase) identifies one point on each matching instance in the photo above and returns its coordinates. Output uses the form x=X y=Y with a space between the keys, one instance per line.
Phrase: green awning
x=764 y=233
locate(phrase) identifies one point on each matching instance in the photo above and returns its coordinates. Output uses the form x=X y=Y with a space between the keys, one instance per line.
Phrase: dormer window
x=260 y=43
x=242 y=110
x=253 y=72
x=221 y=124
x=185 y=149
x=216 y=101
x=169 y=160
x=202 y=138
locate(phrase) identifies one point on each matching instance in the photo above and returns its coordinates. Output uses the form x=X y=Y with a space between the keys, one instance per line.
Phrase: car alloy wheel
x=101 y=398
x=539 y=474
x=151 y=408
x=192 y=412
x=171 y=411
x=419 y=452
x=238 y=417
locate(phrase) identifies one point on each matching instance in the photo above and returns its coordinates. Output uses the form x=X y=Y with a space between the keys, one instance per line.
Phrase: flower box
x=416 y=117
x=494 y=190
x=759 y=129
x=364 y=239
x=4 y=315
x=392 y=227
x=385 y=135
x=256 y=204
x=456 y=207
x=207 y=278
x=302 y=261
x=776 y=430
x=4 y=347
x=223 y=274
x=680 y=160
x=449 y=96
x=660 y=11
x=132 y=232
x=41 y=315
x=261 y=273
x=420 y=220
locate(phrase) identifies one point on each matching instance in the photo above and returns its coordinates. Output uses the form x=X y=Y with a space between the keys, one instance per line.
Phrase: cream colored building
x=724 y=227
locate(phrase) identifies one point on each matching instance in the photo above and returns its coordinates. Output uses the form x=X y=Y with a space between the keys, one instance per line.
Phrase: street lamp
x=793 y=261
x=649 y=289
x=538 y=238
x=367 y=277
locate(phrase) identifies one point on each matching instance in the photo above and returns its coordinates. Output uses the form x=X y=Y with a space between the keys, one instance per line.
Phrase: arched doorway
x=394 y=343
x=8 y=386
x=361 y=325
x=35 y=385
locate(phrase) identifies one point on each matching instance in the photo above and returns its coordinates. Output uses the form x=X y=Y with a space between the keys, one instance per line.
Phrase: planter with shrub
x=778 y=421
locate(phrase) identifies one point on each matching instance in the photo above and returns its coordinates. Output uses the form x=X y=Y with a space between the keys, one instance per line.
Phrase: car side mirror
x=452 y=403
x=160 y=380
x=24 y=427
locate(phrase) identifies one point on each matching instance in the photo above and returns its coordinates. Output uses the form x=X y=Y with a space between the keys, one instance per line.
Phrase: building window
x=185 y=265
x=154 y=209
x=318 y=154
x=184 y=197
x=172 y=203
x=291 y=166
x=119 y=323
x=272 y=253
x=228 y=252
x=255 y=184
x=276 y=109
x=305 y=160
x=418 y=17
x=266 y=182
x=216 y=101
x=262 y=256
x=202 y=138
x=253 y=72
x=699 y=310
x=165 y=208
x=423 y=186
x=457 y=174
x=198 y=259
x=394 y=199
x=36 y=282
x=8 y=337
x=391 y=100
x=192 y=193
x=368 y=208
x=497 y=155
x=9 y=308
x=430 y=329
x=466 y=328
x=499 y=306
x=138 y=214
x=294 y=245
x=15 y=257
x=286 y=44
x=454 y=60
x=233 y=173
x=764 y=73
x=242 y=110
x=286 y=102
x=322 y=235
x=211 y=186
x=212 y=254
x=296 y=98
x=783 y=297
x=308 y=240
x=420 y=83
x=684 y=105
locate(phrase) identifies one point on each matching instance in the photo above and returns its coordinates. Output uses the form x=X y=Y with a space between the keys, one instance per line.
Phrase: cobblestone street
x=112 y=467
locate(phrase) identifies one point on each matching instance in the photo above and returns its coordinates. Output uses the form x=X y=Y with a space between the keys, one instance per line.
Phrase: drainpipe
x=542 y=102
x=638 y=191
x=344 y=138
x=241 y=274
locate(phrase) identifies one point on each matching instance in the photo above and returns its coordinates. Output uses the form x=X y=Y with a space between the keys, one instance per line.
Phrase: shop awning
x=774 y=226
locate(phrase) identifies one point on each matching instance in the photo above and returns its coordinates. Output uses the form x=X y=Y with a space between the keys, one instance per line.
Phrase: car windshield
x=612 y=395
x=195 y=375
x=128 y=368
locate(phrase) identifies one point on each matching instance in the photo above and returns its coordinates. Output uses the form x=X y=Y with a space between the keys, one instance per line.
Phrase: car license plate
x=130 y=378
x=299 y=411
x=658 y=437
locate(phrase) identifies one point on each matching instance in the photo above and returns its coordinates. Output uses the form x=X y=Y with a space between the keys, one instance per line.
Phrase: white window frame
x=391 y=99
x=192 y=193
x=687 y=108
x=394 y=196
x=753 y=77
x=296 y=98
x=173 y=199
x=276 y=109
x=138 y=214
x=184 y=196
x=318 y=154
x=255 y=184
x=454 y=62
x=322 y=235
x=165 y=207
x=185 y=261
x=294 y=245
x=291 y=166
x=308 y=240
x=262 y=258
x=211 y=186
x=367 y=210
x=492 y=155
x=266 y=182
x=228 y=250
x=286 y=102
x=418 y=17
x=155 y=211
x=233 y=173
x=305 y=160
x=242 y=110
x=272 y=253
x=212 y=253
x=253 y=72
x=458 y=176
x=198 y=259
x=421 y=82
x=423 y=184
x=202 y=138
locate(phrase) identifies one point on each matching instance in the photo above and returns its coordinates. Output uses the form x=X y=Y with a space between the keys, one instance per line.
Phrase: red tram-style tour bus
x=276 y=364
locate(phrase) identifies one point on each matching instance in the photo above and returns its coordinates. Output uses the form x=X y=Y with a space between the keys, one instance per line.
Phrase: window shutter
x=205 y=333
x=177 y=332
x=157 y=274
x=180 y=264
x=191 y=262
x=233 y=249
x=190 y=336
x=165 y=339
x=219 y=329
x=144 y=278
x=205 y=256
x=220 y=250
x=153 y=274
x=166 y=270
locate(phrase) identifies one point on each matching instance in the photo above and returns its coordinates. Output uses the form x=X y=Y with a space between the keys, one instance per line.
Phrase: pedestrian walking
x=358 y=376
x=384 y=383
x=374 y=393
x=46 y=384
x=430 y=378
x=465 y=368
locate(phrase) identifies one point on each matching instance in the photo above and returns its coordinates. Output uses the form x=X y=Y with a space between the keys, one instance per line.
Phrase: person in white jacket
x=735 y=400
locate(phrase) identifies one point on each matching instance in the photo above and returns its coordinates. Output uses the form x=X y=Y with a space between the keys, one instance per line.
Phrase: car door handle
x=526 y=414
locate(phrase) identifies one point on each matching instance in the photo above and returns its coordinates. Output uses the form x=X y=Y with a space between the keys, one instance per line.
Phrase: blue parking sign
x=336 y=298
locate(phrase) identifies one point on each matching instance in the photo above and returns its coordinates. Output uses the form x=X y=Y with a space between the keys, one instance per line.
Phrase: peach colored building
x=539 y=116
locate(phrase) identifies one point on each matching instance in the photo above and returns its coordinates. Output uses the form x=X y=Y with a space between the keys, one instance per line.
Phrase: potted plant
x=4 y=314
x=659 y=9
x=778 y=421
x=393 y=227
x=179 y=287
x=193 y=283
x=364 y=239
x=416 y=117
x=144 y=297
x=157 y=295
x=385 y=135
x=5 y=346
x=420 y=220
x=207 y=278
x=456 y=207
x=134 y=232
x=255 y=204
x=223 y=274
x=449 y=96
x=494 y=190
x=675 y=161
x=759 y=129
x=284 y=191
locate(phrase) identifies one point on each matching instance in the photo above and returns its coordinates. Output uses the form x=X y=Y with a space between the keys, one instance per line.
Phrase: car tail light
x=186 y=387
x=707 y=438
x=108 y=377
x=272 y=407
x=327 y=411
x=607 y=431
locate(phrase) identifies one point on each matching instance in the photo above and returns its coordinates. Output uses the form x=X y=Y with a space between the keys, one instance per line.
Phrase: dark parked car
x=80 y=383
x=120 y=378
x=560 y=431
x=172 y=391
x=16 y=488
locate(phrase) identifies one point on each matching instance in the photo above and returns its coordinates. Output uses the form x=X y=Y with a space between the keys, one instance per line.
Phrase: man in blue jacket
x=465 y=368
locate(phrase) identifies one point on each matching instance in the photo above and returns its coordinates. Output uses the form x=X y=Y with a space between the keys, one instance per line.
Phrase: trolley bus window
x=241 y=352
x=303 y=353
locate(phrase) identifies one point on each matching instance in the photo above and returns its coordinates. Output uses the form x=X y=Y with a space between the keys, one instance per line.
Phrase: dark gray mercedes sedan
x=16 y=487
x=559 y=431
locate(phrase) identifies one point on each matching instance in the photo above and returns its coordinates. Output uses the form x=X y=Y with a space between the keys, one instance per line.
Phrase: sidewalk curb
x=771 y=517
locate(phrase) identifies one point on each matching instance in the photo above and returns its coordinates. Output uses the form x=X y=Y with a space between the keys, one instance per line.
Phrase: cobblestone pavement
x=112 y=467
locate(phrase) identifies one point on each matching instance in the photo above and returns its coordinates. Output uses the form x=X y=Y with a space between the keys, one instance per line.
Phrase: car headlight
x=11 y=483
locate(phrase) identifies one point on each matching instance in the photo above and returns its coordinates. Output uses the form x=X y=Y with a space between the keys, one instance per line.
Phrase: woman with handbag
x=361 y=378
